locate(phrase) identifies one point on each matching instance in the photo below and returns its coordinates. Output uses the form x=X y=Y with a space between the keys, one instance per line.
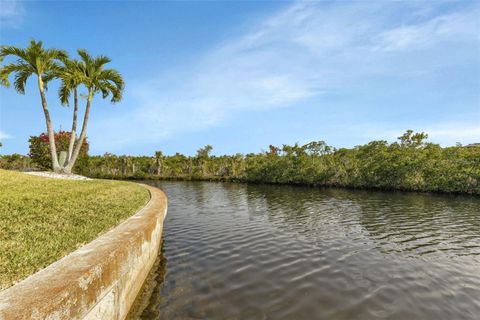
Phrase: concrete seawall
x=98 y=281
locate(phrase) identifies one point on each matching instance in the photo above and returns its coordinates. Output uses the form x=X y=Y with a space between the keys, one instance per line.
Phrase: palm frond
x=34 y=59
x=91 y=73
x=56 y=54
x=20 y=80
x=19 y=67
x=71 y=76
x=101 y=60
x=64 y=92
x=85 y=56
x=5 y=72
x=112 y=75
x=108 y=88
x=6 y=51
x=49 y=76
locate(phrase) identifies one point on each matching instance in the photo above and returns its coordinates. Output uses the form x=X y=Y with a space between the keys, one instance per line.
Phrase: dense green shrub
x=411 y=163
x=17 y=162
x=40 y=152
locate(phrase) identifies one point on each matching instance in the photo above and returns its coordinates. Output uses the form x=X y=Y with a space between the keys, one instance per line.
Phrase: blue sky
x=241 y=75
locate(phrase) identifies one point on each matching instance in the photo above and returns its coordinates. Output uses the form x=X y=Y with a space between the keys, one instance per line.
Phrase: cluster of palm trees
x=49 y=64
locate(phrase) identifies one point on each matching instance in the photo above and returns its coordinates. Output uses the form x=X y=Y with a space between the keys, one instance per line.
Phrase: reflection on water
x=235 y=251
x=149 y=297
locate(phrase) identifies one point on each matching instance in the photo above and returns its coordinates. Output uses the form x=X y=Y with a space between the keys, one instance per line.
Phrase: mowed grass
x=44 y=219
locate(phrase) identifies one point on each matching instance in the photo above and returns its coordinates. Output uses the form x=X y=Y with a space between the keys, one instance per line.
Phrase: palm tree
x=34 y=60
x=70 y=75
x=96 y=79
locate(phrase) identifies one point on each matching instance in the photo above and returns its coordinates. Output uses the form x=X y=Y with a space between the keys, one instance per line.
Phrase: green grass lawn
x=44 y=219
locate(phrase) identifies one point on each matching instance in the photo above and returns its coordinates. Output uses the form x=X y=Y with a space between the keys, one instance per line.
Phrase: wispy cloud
x=11 y=13
x=4 y=136
x=306 y=50
x=450 y=133
x=446 y=132
x=456 y=27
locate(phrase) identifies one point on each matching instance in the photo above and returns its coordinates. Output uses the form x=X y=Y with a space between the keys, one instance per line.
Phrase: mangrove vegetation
x=410 y=163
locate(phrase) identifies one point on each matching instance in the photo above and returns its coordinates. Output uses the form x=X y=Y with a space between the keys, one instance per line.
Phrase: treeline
x=411 y=163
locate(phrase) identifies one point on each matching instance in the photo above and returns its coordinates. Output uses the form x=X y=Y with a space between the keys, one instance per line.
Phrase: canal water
x=235 y=251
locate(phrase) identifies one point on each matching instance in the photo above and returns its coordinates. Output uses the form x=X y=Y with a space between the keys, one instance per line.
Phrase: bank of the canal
x=101 y=279
x=44 y=219
x=236 y=251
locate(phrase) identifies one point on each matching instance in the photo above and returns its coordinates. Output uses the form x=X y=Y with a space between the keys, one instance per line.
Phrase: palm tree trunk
x=51 y=135
x=73 y=134
x=83 y=133
x=159 y=166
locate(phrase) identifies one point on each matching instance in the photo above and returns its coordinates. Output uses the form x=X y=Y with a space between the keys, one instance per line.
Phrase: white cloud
x=450 y=133
x=301 y=52
x=451 y=27
x=447 y=133
x=4 y=136
x=11 y=13
x=8 y=8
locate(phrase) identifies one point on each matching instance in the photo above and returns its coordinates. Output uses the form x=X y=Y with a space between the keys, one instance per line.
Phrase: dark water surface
x=234 y=251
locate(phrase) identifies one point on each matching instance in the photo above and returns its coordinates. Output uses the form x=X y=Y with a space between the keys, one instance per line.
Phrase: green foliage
x=97 y=79
x=17 y=162
x=33 y=60
x=49 y=64
x=70 y=74
x=39 y=148
x=411 y=163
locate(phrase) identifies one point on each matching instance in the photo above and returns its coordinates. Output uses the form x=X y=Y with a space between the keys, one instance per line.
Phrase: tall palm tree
x=96 y=79
x=38 y=61
x=71 y=77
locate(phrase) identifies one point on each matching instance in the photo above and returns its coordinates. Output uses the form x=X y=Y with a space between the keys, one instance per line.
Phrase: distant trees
x=201 y=159
x=49 y=64
x=411 y=139
x=158 y=162
x=410 y=163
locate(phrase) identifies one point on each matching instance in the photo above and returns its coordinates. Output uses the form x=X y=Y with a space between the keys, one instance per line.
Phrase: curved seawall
x=98 y=281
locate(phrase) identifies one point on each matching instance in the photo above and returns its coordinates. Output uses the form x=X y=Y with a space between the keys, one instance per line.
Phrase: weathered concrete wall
x=98 y=281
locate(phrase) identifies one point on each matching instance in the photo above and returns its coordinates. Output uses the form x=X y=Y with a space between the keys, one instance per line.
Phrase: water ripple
x=236 y=251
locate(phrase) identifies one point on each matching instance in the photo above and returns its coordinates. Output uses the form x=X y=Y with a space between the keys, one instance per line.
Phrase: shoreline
x=100 y=279
x=306 y=185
